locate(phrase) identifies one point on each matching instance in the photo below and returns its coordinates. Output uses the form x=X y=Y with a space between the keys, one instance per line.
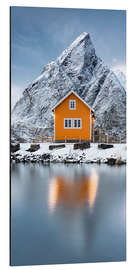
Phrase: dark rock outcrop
x=105 y=146
x=34 y=147
x=56 y=146
x=82 y=146
x=14 y=147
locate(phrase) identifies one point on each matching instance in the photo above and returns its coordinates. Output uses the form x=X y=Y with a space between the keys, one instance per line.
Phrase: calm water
x=67 y=214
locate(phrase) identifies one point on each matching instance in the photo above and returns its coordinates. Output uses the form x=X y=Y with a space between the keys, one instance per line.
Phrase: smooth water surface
x=67 y=213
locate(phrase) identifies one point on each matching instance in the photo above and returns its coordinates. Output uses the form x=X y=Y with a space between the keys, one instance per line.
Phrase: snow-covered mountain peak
x=78 y=68
x=81 y=48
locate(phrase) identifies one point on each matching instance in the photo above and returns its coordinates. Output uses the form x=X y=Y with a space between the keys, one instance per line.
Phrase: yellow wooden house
x=73 y=119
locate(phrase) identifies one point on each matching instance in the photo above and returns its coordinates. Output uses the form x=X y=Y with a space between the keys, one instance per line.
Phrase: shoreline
x=67 y=155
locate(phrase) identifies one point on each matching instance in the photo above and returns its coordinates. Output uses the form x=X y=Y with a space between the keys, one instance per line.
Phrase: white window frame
x=77 y=123
x=72 y=123
x=70 y=106
x=68 y=120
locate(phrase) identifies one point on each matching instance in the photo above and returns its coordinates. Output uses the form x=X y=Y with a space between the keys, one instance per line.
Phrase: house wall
x=62 y=111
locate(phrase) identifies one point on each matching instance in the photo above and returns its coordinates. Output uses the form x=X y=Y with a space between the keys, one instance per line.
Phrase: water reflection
x=87 y=220
x=73 y=192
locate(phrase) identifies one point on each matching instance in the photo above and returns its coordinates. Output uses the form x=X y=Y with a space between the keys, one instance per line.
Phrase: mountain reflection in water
x=73 y=192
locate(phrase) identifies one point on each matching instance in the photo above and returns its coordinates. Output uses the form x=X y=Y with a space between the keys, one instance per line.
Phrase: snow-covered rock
x=78 y=68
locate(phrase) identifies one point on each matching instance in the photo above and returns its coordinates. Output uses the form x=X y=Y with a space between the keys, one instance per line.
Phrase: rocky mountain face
x=78 y=68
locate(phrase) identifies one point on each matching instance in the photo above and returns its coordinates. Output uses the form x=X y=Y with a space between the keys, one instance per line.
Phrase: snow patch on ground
x=92 y=154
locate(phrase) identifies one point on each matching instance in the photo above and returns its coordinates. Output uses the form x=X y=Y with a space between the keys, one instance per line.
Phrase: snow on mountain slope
x=121 y=77
x=78 y=68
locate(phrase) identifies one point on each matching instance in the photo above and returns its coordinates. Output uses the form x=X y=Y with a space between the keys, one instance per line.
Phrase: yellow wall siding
x=62 y=111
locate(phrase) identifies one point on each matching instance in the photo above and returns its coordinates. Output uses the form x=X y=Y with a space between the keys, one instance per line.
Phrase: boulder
x=111 y=161
x=14 y=147
x=46 y=156
x=82 y=145
x=34 y=147
x=119 y=161
x=56 y=146
x=105 y=146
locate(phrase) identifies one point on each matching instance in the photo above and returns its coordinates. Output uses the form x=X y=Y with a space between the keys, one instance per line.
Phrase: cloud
x=120 y=67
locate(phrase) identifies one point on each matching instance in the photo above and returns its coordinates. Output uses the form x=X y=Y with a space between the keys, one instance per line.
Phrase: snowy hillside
x=78 y=68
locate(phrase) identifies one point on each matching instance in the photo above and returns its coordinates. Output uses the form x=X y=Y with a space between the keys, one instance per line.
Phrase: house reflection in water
x=73 y=193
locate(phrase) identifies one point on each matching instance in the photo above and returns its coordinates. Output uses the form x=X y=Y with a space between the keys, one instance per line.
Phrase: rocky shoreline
x=114 y=156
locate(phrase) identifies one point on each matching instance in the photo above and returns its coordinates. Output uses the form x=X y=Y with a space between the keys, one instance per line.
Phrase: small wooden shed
x=73 y=119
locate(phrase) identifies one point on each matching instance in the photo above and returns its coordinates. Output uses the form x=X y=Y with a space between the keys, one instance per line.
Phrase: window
x=72 y=123
x=72 y=104
x=67 y=123
x=77 y=123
